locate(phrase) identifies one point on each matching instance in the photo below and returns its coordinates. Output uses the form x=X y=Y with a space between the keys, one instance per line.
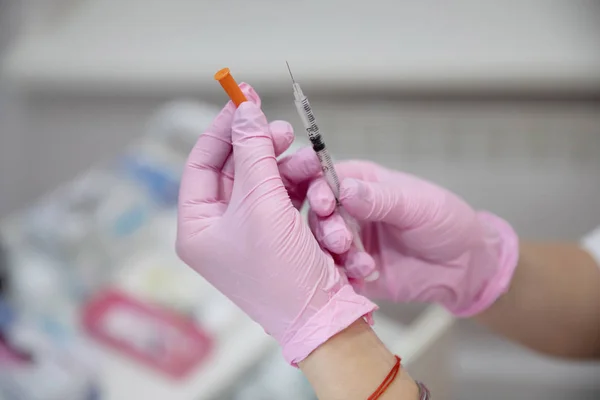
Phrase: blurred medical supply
x=38 y=345
x=159 y=338
x=100 y=216
x=53 y=356
x=72 y=245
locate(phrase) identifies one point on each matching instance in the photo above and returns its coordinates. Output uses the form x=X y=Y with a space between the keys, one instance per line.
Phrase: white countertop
x=153 y=45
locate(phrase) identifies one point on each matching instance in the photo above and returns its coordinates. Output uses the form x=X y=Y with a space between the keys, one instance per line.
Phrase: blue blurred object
x=95 y=392
x=130 y=221
x=7 y=315
x=159 y=181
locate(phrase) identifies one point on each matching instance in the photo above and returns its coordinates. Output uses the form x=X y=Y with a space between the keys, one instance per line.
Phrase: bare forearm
x=553 y=304
x=352 y=364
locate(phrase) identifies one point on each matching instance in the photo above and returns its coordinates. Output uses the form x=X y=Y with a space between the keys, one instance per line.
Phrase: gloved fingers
x=202 y=172
x=282 y=134
x=314 y=225
x=334 y=236
x=331 y=232
x=321 y=198
x=360 y=265
x=256 y=172
x=374 y=201
x=300 y=166
x=297 y=170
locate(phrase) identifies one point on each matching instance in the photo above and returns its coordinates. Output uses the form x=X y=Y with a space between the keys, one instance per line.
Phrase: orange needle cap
x=230 y=86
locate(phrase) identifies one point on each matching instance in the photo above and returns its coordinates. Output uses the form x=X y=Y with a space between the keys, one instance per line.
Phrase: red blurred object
x=152 y=335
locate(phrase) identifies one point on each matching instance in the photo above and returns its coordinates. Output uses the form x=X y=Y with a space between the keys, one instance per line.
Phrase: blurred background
x=101 y=100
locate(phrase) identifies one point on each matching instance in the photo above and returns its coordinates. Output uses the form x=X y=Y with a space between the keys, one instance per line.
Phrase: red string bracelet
x=387 y=381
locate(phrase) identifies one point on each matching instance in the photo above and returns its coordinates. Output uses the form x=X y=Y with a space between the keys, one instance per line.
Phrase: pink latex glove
x=245 y=236
x=427 y=244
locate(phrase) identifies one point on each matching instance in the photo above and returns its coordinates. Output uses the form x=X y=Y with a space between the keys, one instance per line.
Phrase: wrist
x=342 y=310
x=351 y=365
x=344 y=344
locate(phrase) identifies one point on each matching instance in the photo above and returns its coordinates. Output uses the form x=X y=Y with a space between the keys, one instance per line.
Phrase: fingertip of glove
x=250 y=93
x=362 y=266
x=282 y=130
x=310 y=157
x=321 y=198
x=248 y=108
x=249 y=119
x=336 y=238
x=322 y=204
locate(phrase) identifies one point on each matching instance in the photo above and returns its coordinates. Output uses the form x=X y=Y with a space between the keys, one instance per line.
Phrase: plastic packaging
x=154 y=336
x=51 y=355
x=178 y=125
x=89 y=226
x=38 y=286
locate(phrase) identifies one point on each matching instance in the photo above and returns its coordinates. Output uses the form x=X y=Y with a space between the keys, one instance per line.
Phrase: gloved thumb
x=372 y=201
x=253 y=149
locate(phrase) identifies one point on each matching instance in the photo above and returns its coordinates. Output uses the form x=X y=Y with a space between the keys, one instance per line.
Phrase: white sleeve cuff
x=591 y=243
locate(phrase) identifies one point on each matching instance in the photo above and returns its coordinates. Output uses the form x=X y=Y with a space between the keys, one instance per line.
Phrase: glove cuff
x=507 y=255
x=344 y=308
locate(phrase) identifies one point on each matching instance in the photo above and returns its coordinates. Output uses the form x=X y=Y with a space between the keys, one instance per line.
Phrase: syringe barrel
x=314 y=135
x=308 y=119
x=329 y=172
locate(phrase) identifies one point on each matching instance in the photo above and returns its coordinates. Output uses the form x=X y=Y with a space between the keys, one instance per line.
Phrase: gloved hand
x=427 y=244
x=245 y=236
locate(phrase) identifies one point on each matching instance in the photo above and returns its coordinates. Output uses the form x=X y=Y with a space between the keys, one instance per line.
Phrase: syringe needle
x=289 y=69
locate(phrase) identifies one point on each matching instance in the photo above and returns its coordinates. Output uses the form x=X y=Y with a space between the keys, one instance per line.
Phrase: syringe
x=316 y=139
